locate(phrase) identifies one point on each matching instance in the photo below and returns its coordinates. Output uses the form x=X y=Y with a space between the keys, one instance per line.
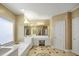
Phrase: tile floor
x=48 y=51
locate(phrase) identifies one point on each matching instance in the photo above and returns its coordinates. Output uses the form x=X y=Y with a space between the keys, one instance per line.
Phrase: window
x=6 y=31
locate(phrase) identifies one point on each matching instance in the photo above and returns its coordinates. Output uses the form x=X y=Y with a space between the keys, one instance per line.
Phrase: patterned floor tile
x=48 y=51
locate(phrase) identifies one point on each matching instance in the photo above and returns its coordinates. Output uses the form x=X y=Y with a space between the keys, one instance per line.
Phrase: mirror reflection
x=36 y=30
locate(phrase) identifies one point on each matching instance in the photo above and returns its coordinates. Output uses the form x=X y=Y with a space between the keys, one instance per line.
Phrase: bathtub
x=4 y=50
x=25 y=46
x=8 y=51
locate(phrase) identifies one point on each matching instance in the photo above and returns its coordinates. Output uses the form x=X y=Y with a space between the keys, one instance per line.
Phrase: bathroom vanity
x=40 y=40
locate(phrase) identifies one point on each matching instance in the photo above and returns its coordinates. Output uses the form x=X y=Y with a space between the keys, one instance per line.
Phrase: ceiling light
x=40 y=23
x=26 y=20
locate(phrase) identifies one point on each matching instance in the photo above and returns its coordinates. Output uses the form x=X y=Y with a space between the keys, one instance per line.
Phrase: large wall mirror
x=36 y=30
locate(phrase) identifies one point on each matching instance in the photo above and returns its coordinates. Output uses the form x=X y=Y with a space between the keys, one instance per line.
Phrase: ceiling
x=35 y=11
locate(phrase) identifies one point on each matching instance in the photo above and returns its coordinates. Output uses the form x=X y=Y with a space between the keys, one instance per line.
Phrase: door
x=59 y=34
x=75 y=35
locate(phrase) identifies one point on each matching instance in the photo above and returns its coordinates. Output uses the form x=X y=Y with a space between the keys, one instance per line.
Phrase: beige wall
x=46 y=22
x=51 y=32
x=19 y=28
x=68 y=31
x=75 y=13
x=4 y=12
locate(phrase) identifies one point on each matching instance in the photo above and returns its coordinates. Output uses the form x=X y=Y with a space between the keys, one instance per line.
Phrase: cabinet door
x=59 y=34
x=75 y=35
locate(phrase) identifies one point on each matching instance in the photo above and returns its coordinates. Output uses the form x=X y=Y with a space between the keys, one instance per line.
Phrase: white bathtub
x=8 y=51
x=25 y=46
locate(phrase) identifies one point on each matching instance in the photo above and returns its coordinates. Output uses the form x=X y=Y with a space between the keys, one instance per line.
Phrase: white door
x=59 y=35
x=75 y=35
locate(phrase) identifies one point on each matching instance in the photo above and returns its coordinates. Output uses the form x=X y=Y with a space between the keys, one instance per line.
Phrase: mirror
x=36 y=30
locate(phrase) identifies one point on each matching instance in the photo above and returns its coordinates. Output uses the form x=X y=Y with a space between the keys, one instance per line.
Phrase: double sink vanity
x=40 y=40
